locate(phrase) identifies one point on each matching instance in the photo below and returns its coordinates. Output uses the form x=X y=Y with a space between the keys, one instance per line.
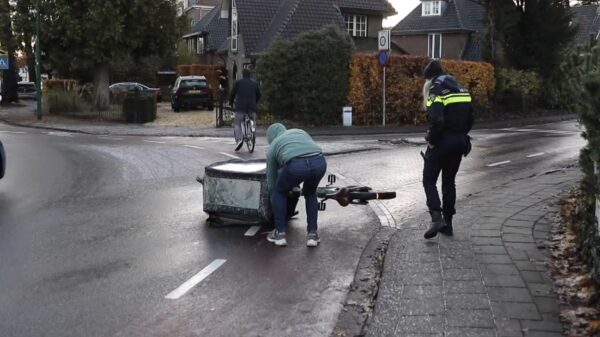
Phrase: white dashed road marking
x=110 y=138
x=559 y=132
x=154 y=141
x=536 y=154
x=252 y=231
x=230 y=155
x=15 y=132
x=59 y=134
x=498 y=163
x=195 y=147
x=192 y=282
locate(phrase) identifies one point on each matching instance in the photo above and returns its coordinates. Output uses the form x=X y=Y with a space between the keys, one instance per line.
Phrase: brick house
x=450 y=29
x=236 y=32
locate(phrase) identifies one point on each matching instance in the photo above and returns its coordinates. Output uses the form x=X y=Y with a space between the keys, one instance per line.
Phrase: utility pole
x=38 y=70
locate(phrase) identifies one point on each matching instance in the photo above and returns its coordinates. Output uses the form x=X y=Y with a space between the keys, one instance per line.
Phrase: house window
x=234 y=27
x=430 y=8
x=192 y=44
x=356 y=25
x=434 y=46
x=200 y=45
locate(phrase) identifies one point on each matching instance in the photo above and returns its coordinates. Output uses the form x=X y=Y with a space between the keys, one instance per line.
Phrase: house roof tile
x=262 y=21
x=460 y=15
x=588 y=19
x=381 y=6
x=218 y=28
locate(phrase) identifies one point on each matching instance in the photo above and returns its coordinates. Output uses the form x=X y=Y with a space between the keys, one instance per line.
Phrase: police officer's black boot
x=437 y=224
x=448 y=229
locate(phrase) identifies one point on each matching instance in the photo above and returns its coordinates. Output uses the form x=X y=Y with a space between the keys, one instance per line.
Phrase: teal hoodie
x=285 y=145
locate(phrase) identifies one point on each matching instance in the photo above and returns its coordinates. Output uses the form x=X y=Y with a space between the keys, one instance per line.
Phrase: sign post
x=38 y=68
x=384 y=57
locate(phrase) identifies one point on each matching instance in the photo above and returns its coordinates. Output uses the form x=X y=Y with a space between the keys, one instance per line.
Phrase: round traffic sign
x=382 y=41
x=384 y=57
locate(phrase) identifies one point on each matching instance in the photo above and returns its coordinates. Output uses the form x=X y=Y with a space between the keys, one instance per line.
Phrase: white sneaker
x=278 y=238
x=313 y=239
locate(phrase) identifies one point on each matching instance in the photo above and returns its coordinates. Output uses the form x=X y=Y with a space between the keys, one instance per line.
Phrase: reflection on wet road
x=105 y=235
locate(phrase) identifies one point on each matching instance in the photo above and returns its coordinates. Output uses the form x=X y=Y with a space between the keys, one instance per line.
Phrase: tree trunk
x=29 y=54
x=492 y=30
x=101 y=91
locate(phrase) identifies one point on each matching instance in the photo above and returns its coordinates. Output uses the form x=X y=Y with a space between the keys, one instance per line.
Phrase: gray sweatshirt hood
x=274 y=131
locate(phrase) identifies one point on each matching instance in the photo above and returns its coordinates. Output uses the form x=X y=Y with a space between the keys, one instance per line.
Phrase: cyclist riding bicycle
x=246 y=94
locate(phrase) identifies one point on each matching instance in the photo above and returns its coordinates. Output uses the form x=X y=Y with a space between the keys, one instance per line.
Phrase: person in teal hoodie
x=293 y=158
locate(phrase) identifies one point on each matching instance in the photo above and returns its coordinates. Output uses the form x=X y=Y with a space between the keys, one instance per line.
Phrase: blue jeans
x=309 y=171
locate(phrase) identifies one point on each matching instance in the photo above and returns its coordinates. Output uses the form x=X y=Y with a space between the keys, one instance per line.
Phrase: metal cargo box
x=236 y=190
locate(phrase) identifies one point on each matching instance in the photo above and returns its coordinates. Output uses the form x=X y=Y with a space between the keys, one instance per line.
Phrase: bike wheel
x=250 y=136
x=363 y=196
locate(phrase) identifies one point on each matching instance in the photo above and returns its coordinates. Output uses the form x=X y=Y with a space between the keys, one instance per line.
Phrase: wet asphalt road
x=96 y=231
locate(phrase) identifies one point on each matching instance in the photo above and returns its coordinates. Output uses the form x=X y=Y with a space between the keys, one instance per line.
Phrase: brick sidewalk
x=490 y=279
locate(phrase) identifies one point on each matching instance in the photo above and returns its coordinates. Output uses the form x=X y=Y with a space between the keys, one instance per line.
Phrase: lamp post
x=38 y=75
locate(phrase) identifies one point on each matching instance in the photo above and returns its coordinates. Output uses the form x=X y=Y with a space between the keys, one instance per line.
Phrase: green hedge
x=306 y=79
x=139 y=108
x=58 y=102
x=582 y=72
x=518 y=90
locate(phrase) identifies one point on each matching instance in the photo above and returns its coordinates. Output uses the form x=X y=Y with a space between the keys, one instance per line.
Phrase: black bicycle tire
x=372 y=195
x=250 y=139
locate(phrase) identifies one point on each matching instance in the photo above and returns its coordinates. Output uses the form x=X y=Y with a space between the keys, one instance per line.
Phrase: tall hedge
x=582 y=74
x=404 y=83
x=306 y=78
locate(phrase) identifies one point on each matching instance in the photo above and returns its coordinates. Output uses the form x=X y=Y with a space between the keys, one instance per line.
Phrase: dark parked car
x=133 y=87
x=191 y=91
x=2 y=161
x=26 y=90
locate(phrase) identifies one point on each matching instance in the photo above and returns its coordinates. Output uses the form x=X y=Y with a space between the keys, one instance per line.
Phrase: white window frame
x=431 y=46
x=431 y=8
x=357 y=25
x=200 y=45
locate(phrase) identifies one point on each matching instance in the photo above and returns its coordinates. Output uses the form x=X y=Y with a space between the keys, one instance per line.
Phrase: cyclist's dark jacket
x=449 y=111
x=246 y=93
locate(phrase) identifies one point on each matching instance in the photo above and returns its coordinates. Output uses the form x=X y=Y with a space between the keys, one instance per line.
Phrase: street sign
x=384 y=57
x=384 y=39
x=3 y=62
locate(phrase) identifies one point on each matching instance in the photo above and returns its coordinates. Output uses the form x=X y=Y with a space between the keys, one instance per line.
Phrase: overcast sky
x=403 y=7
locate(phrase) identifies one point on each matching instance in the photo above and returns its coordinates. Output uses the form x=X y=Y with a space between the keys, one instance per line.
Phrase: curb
x=333 y=131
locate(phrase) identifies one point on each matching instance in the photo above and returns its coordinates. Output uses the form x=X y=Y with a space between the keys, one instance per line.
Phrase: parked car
x=26 y=90
x=2 y=161
x=134 y=86
x=191 y=91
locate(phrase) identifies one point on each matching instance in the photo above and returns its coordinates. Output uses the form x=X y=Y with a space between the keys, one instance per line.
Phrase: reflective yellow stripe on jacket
x=450 y=99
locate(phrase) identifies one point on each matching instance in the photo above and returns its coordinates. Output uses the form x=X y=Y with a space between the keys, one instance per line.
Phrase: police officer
x=450 y=115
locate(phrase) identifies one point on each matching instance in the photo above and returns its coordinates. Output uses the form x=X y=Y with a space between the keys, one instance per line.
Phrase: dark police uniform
x=450 y=115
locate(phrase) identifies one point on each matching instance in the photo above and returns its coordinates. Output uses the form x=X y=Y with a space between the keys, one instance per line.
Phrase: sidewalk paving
x=25 y=117
x=490 y=279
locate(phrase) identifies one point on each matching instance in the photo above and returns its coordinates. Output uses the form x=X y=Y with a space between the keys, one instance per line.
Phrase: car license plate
x=195 y=91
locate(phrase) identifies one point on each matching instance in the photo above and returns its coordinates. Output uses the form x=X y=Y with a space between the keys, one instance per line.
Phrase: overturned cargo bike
x=236 y=192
